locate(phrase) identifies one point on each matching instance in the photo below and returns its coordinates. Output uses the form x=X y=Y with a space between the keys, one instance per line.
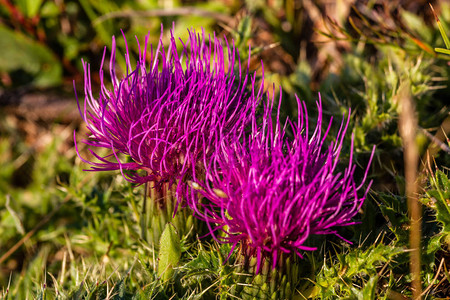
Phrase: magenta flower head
x=168 y=111
x=271 y=193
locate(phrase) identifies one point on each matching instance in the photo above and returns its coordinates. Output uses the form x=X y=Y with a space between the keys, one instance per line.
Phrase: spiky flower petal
x=271 y=193
x=169 y=110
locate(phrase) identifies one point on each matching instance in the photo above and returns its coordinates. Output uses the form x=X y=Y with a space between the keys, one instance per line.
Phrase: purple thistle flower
x=271 y=193
x=166 y=114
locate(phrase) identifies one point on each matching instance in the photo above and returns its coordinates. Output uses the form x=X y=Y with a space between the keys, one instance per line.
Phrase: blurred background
x=358 y=54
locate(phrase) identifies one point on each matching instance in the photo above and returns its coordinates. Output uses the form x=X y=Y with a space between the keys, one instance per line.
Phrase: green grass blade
x=444 y=35
x=441 y=29
x=442 y=50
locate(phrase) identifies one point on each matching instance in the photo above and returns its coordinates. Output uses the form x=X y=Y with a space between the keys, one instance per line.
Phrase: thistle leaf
x=169 y=252
x=441 y=194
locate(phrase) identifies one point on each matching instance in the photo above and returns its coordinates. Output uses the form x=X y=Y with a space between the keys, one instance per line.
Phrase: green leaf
x=441 y=29
x=440 y=192
x=22 y=53
x=442 y=50
x=370 y=288
x=15 y=216
x=29 y=8
x=336 y=277
x=368 y=291
x=444 y=35
x=49 y=10
x=33 y=7
x=203 y=262
x=169 y=252
x=78 y=293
